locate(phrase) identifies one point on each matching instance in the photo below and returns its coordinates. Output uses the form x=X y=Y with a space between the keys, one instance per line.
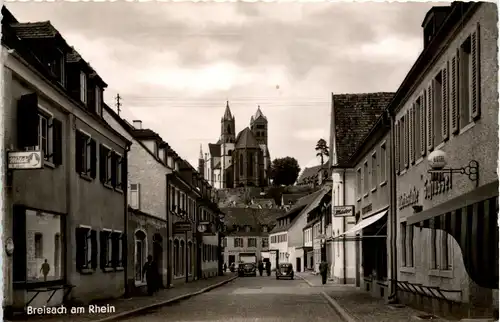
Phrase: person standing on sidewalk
x=261 y=267
x=323 y=270
x=152 y=276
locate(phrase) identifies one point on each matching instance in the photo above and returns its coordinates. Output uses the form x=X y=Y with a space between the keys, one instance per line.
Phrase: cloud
x=175 y=64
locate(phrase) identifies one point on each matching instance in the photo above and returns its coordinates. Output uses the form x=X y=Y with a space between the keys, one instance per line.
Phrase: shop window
x=86 y=249
x=140 y=257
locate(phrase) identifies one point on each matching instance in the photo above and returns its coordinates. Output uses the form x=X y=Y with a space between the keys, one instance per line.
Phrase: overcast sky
x=176 y=64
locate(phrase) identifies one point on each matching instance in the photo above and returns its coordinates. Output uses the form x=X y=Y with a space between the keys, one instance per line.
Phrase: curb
x=336 y=306
x=163 y=303
x=304 y=279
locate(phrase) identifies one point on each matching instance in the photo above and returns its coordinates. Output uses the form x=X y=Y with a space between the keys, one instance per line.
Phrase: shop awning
x=471 y=219
x=365 y=223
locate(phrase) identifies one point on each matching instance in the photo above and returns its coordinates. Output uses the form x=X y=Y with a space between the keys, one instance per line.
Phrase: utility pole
x=118 y=104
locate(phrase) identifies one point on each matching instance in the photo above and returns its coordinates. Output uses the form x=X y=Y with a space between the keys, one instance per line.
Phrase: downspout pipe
x=344 y=227
x=393 y=296
x=125 y=222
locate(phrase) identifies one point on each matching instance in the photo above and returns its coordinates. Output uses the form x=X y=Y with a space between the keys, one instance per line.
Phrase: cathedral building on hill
x=238 y=160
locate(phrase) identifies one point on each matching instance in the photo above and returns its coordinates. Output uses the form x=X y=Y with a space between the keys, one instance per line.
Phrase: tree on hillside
x=322 y=150
x=284 y=171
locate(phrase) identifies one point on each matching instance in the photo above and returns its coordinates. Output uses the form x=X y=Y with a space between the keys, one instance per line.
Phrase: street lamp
x=287 y=255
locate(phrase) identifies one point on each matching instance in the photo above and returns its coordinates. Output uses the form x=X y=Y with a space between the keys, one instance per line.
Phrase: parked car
x=247 y=269
x=284 y=270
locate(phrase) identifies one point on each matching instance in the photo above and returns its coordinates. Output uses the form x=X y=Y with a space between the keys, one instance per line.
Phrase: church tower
x=201 y=163
x=228 y=128
x=258 y=125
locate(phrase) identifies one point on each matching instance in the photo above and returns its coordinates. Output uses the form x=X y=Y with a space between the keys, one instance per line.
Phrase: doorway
x=232 y=259
x=158 y=254
x=297 y=268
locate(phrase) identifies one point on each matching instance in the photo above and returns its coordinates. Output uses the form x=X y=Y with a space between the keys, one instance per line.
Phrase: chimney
x=137 y=124
x=433 y=21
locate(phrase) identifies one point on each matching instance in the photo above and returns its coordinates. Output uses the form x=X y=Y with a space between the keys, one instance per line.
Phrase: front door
x=297 y=265
x=232 y=259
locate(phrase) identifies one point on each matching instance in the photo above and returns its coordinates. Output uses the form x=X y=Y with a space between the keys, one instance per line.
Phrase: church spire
x=258 y=113
x=227 y=112
x=201 y=152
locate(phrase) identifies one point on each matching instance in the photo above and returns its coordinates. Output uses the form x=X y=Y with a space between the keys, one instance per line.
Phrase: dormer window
x=98 y=101
x=56 y=66
x=264 y=229
x=176 y=168
x=83 y=87
x=247 y=229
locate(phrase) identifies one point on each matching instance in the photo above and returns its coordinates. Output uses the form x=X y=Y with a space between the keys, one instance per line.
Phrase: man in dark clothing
x=152 y=276
x=225 y=267
x=268 y=268
x=261 y=267
x=323 y=270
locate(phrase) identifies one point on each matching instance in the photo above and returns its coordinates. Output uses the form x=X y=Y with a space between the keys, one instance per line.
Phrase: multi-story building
x=67 y=215
x=446 y=134
x=286 y=238
x=147 y=198
x=247 y=233
x=352 y=206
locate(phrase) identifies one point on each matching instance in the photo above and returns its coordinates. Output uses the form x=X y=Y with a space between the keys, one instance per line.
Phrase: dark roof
x=354 y=116
x=246 y=139
x=217 y=165
x=292 y=197
x=32 y=30
x=214 y=149
x=311 y=173
x=146 y=134
x=250 y=216
x=294 y=214
x=312 y=223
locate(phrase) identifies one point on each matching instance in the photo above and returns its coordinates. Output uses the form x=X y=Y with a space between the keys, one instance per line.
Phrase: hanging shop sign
x=408 y=199
x=25 y=160
x=343 y=211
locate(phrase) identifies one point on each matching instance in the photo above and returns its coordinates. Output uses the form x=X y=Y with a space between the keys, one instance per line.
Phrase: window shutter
x=93 y=237
x=124 y=173
x=57 y=148
x=454 y=94
x=102 y=163
x=93 y=158
x=103 y=240
x=430 y=108
x=405 y=140
x=113 y=169
x=411 y=134
x=80 y=247
x=444 y=96
x=27 y=121
x=121 y=255
x=475 y=72
x=396 y=146
x=78 y=151
x=423 y=108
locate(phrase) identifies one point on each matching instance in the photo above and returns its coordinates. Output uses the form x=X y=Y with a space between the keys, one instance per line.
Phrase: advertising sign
x=343 y=211
x=182 y=227
x=25 y=160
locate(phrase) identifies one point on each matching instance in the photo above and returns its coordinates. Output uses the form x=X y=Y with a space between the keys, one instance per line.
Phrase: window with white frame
x=83 y=87
x=118 y=164
x=140 y=253
x=86 y=161
x=134 y=199
x=238 y=242
x=366 y=179
x=383 y=163
x=106 y=165
x=98 y=101
x=86 y=249
x=106 y=243
x=359 y=188
x=374 y=171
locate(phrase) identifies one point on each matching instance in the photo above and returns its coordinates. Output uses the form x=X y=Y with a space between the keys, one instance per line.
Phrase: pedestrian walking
x=45 y=269
x=323 y=270
x=268 y=268
x=225 y=267
x=152 y=276
x=261 y=267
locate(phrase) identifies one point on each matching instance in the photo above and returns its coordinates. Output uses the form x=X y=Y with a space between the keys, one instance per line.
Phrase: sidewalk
x=126 y=307
x=356 y=305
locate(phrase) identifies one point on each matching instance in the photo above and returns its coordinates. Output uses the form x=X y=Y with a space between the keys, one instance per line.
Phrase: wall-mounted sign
x=343 y=211
x=182 y=227
x=437 y=159
x=408 y=199
x=9 y=246
x=25 y=160
x=366 y=209
x=434 y=188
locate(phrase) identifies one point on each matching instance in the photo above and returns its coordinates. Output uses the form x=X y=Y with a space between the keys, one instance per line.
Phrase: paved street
x=250 y=299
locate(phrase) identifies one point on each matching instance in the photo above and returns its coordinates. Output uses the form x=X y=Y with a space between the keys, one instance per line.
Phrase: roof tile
x=246 y=139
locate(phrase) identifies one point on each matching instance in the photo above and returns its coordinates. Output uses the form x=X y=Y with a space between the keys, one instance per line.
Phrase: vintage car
x=284 y=270
x=247 y=269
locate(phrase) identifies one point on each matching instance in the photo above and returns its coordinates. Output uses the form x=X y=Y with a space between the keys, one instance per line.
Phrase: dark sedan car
x=284 y=270
x=247 y=269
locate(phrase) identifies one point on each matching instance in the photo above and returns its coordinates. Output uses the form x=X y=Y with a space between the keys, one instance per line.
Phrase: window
x=358 y=183
x=252 y=242
x=407 y=245
x=118 y=173
x=264 y=229
x=38 y=245
x=247 y=229
x=85 y=155
x=250 y=164
x=135 y=200
x=56 y=66
x=224 y=242
x=83 y=87
x=265 y=242
x=98 y=101
x=238 y=242
x=106 y=165
x=441 y=245
x=86 y=249
x=374 y=171
x=417 y=125
x=241 y=164
x=365 y=179
x=140 y=252
x=464 y=79
x=383 y=163
x=106 y=243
